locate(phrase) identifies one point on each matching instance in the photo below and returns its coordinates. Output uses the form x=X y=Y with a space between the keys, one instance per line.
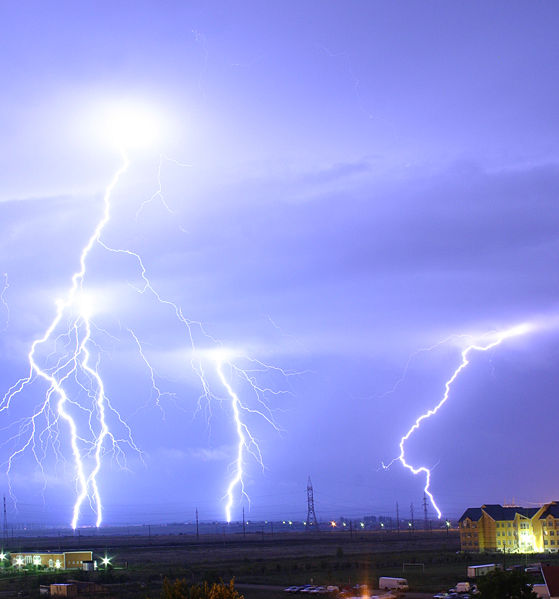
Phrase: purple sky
x=349 y=182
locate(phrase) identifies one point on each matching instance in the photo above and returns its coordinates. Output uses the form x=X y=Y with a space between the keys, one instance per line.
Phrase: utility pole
x=197 y=531
x=397 y=518
x=244 y=531
x=312 y=520
x=5 y=527
x=351 y=529
x=411 y=514
x=425 y=516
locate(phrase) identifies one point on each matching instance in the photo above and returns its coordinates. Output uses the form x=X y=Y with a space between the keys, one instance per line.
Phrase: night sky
x=342 y=186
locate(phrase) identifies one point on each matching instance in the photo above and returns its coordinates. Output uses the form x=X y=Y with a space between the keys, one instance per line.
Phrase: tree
x=179 y=589
x=506 y=585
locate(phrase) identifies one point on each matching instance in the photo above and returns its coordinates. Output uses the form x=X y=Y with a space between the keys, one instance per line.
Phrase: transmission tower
x=5 y=527
x=425 y=513
x=312 y=520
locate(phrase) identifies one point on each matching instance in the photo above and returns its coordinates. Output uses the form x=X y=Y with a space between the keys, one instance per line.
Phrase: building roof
x=498 y=512
x=473 y=513
x=551 y=578
x=551 y=510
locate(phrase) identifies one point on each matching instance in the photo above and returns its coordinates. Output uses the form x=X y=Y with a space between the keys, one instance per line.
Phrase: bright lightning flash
x=66 y=358
x=490 y=341
x=246 y=442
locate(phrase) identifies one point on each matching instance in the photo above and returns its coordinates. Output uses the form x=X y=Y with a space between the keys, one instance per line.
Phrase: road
x=270 y=587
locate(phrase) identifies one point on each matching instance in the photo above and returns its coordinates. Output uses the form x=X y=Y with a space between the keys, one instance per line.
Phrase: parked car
x=390 y=582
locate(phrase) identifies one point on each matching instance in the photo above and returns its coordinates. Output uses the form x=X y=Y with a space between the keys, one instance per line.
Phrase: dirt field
x=141 y=563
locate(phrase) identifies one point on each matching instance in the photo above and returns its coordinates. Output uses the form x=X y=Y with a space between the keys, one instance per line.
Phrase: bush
x=506 y=585
x=179 y=589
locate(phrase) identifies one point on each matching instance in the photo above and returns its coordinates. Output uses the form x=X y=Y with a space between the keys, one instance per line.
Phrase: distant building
x=493 y=527
x=67 y=560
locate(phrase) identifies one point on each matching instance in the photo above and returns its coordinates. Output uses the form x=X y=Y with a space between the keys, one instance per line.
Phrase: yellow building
x=493 y=527
x=68 y=560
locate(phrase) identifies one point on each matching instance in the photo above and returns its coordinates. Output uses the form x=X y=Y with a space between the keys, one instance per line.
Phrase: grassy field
x=141 y=563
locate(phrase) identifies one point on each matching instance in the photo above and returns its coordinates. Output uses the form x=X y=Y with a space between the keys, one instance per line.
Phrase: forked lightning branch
x=65 y=369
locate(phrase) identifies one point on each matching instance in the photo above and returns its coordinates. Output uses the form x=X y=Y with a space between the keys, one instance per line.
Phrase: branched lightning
x=246 y=441
x=158 y=193
x=74 y=366
x=492 y=340
x=67 y=358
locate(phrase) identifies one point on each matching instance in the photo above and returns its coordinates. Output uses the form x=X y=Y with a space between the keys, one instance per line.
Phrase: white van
x=387 y=582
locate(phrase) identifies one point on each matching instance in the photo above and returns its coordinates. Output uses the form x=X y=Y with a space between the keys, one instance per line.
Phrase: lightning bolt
x=246 y=441
x=57 y=403
x=414 y=355
x=494 y=340
x=74 y=360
